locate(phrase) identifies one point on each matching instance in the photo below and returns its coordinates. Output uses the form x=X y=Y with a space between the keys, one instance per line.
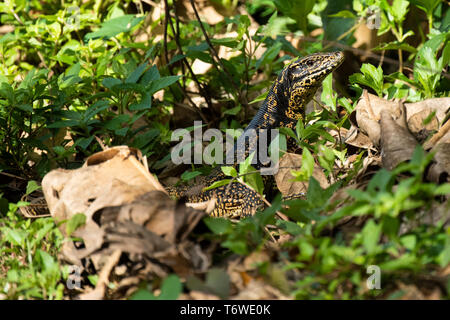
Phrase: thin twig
x=194 y=77
x=213 y=51
x=166 y=55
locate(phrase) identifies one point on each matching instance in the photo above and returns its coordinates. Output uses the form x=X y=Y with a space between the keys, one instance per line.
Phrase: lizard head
x=301 y=79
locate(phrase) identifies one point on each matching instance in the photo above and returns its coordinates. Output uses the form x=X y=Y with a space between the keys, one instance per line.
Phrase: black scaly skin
x=283 y=107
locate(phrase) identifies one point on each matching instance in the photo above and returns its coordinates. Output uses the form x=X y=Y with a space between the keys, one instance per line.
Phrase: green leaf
x=426 y=5
x=75 y=222
x=189 y=175
x=161 y=83
x=218 y=184
x=110 y=82
x=443 y=189
x=297 y=10
x=395 y=45
x=31 y=187
x=409 y=241
x=238 y=246
x=218 y=225
x=84 y=142
x=63 y=124
x=142 y=294
x=344 y=14
x=444 y=256
x=290 y=227
x=171 y=288
x=16 y=237
x=399 y=9
x=113 y=27
x=144 y=104
x=219 y=281
x=406 y=261
x=307 y=168
x=229 y=171
x=233 y=111
x=150 y=75
x=245 y=165
x=259 y=98
x=255 y=181
x=371 y=236
x=136 y=74
x=47 y=262
x=95 y=109
x=371 y=77
x=328 y=96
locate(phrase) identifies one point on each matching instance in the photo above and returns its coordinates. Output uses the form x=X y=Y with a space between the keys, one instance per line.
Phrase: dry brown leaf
x=283 y=178
x=99 y=291
x=199 y=295
x=397 y=144
x=423 y=109
x=256 y=257
x=412 y=292
x=439 y=171
x=442 y=136
x=127 y=211
x=358 y=139
x=368 y=114
x=259 y=290
x=409 y=115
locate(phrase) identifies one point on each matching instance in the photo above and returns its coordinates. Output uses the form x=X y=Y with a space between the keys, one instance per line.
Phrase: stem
x=430 y=22
x=213 y=51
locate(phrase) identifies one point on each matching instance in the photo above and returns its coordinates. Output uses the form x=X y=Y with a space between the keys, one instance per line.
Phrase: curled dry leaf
x=127 y=211
x=259 y=290
x=284 y=178
x=418 y=115
x=421 y=118
x=442 y=136
x=356 y=138
x=368 y=114
x=397 y=144
x=439 y=171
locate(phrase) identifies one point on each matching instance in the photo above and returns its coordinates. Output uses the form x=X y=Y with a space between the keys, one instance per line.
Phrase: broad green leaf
x=218 y=184
x=229 y=171
x=142 y=294
x=328 y=96
x=218 y=225
x=255 y=181
x=426 y=5
x=111 y=82
x=189 y=175
x=161 y=83
x=136 y=74
x=219 y=281
x=75 y=222
x=245 y=165
x=32 y=186
x=171 y=288
x=371 y=236
x=113 y=27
